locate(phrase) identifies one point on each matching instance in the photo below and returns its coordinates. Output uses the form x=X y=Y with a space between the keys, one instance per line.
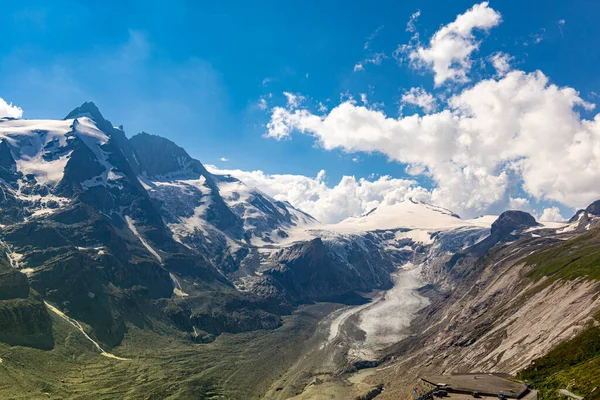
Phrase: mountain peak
x=512 y=220
x=594 y=208
x=90 y=110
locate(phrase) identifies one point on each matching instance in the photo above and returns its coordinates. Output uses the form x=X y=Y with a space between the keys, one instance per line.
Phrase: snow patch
x=177 y=290
x=416 y=235
x=78 y=326
x=409 y=214
x=131 y=225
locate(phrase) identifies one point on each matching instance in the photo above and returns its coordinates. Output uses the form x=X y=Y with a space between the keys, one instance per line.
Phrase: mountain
x=523 y=301
x=130 y=251
x=112 y=230
x=82 y=226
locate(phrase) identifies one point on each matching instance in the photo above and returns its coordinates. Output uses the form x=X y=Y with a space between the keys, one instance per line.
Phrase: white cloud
x=501 y=62
x=293 y=100
x=535 y=38
x=322 y=107
x=262 y=103
x=363 y=98
x=224 y=159
x=510 y=130
x=371 y=37
x=561 y=23
x=375 y=59
x=411 y=25
x=419 y=97
x=449 y=51
x=521 y=204
x=329 y=204
x=9 y=110
x=552 y=214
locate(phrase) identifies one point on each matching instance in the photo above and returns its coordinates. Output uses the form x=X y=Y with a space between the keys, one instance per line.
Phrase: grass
x=570 y=259
x=164 y=365
x=572 y=365
x=575 y=364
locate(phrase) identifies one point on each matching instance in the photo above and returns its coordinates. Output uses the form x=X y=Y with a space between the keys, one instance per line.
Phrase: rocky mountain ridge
x=105 y=226
x=133 y=233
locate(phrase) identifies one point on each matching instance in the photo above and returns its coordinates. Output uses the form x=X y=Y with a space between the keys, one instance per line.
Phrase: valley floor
x=306 y=358
x=350 y=337
x=159 y=366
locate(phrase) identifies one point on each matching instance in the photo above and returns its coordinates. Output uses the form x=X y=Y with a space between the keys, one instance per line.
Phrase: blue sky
x=195 y=72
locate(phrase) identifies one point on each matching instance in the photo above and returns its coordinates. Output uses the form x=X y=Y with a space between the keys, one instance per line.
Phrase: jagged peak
x=161 y=157
x=594 y=208
x=88 y=109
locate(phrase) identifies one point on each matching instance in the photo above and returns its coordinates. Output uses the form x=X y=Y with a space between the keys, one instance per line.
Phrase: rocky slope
x=134 y=235
x=503 y=303
x=115 y=231
x=24 y=320
x=78 y=221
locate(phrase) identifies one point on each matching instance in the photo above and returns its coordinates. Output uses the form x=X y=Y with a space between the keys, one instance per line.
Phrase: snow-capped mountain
x=142 y=214
x=113 y=232
x=152 y=187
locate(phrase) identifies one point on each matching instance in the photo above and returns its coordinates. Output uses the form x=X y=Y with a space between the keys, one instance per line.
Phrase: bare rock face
x=311 y=271
x=511 y=221
x=13 y=284
x=24 y=320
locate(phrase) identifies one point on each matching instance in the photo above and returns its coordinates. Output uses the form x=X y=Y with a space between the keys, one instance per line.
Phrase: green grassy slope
x=574 y=365
x=163 y=365
x=570 y=259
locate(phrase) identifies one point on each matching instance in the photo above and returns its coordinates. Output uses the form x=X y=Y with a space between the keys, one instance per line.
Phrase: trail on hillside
x=78 y=326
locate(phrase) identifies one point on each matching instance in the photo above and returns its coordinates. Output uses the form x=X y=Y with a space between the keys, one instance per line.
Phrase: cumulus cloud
x=419 y=97
x=329 y=204
x=9 y=110
x=293 y=100
x=551 y=214
x=359 y=67
x=224 y=159
x=501 y=62
x=521 y=204
x=449 y=51
x=519 y=128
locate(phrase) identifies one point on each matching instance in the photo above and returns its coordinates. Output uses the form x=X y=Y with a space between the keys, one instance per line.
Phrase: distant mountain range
x=116 y=232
